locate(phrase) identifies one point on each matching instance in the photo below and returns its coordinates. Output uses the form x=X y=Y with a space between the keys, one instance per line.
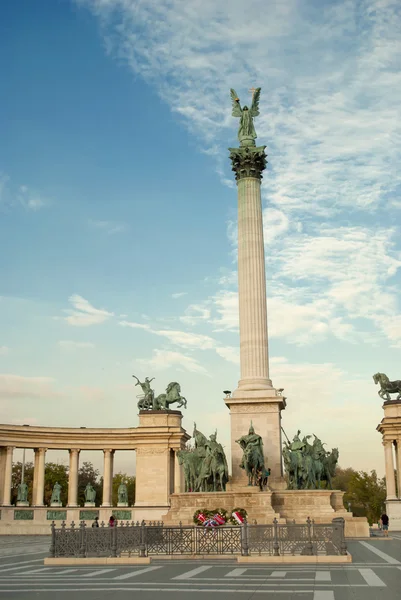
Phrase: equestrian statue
x=148 y=401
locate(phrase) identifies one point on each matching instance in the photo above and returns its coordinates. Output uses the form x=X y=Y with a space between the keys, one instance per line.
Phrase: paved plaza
x=375 y=573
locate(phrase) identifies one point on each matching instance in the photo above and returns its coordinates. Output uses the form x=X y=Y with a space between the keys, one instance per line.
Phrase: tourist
x=96 y=522
x=384 y=519
x=112 y=521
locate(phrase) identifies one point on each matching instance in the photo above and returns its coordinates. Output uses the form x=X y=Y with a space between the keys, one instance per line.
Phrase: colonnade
x=6 y=462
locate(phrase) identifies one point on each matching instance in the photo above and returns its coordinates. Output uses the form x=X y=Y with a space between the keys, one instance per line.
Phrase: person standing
x=96 y=522
x=385 y=521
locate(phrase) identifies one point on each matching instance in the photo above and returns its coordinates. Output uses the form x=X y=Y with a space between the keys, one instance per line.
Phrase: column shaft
x=398 y=467
x=8 y=470
x=73 y=478
x=108 y=477
x=35 y=475
x=178 y=475
x=390 y=479
x=40 y=481
x=254 y=357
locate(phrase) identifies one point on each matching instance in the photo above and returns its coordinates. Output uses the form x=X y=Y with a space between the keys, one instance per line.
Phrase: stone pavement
x=375 y=574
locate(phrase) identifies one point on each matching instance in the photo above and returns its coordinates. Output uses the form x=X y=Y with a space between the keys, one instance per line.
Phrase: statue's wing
x=237 y=112
x=255 y=103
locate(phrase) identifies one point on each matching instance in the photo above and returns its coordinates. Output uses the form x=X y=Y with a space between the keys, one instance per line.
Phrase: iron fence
x=156 y=538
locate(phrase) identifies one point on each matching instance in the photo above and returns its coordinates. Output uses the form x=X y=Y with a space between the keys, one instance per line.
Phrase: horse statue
x=189 y=459
x=329 y=467
x=172 y=395
x=213 y=474
x=253 y=458
x=387 y=387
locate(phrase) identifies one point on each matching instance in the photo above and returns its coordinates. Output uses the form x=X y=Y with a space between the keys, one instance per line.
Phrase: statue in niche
x=22 y=492
x=90 y=494
x=122 y=494
x=56 y=493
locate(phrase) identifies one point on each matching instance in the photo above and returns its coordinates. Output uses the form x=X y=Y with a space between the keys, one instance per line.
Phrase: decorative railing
x=155 y=538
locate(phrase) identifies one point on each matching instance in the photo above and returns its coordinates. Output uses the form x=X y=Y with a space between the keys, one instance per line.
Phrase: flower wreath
x=241 y=512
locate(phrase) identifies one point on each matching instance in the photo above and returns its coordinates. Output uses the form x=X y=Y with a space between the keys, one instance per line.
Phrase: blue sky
x=118 y=208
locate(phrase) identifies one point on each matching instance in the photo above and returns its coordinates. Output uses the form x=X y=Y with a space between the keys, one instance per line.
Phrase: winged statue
x=246 y=130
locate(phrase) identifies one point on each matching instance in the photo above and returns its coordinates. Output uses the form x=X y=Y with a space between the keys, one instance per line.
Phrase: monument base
x=58 y=504
x=89 y=505
x=125 y=504
x=393 y=510
x=22 y=503
x=257 y=504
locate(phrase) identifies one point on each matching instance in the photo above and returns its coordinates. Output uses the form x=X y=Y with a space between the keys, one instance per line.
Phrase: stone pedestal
x=263 y=408
x=125 y=504
x=89 y=504
x=56 y=504
x=156 y=456
x=22 y=503
x=393 y=510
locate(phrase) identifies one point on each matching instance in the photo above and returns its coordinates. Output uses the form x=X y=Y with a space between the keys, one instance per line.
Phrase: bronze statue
x=148 y=400
x=252 y=460
x=22 y=493
x=122 y=493
x=90 y=493
x=56 y=493
x=387 y=387
x=308 y=464
x=246 y=130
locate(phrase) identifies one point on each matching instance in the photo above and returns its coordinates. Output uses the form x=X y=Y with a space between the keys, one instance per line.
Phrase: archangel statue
x=246 y=131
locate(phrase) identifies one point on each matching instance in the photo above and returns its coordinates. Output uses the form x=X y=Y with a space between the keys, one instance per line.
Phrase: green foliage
x=55 y=472
x=366 y=492
x=16 y=480
x=129 y=481
x=88 y=474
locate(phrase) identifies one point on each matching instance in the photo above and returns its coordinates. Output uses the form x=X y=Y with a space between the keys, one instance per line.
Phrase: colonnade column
x=7 y=475
x=108 y=477
x=35 y=475
x=40 y=479
x=73 y=478
x=398 y=467
x=390 y=479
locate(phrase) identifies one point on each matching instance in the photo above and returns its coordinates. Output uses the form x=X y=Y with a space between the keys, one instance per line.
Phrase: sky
x=118 y=210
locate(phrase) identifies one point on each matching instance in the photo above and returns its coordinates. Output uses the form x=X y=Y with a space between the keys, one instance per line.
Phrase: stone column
x=179 y=486
x=390 y=479
x=398 y=466
x=40 y=481
x=7 y=476
x=35 y=475
x=255 y=399
x=108 y=477
x=73 y=478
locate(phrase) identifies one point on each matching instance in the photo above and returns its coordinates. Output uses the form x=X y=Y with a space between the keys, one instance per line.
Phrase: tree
x=55 y=472
x=130 y=483
x=16 y=480
x=369 y=491
x=88 y=474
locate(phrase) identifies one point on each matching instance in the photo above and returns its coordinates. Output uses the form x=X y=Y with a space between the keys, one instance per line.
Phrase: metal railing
x=155 y=538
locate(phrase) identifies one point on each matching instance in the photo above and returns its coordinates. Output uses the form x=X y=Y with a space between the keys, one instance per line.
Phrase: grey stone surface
x=374 y=574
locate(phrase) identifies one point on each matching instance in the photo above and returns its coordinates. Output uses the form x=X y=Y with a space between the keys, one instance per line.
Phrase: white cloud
x=71 y=345
x=84 y=314
x=13 y=196
x=179 y=294
x=135 y=325
x=19 y=386
x=330 y=117
x=4 y=350
x=186 y=339
x=229 y=353
x=109 y=227
x=195 y=313
x=167 y=359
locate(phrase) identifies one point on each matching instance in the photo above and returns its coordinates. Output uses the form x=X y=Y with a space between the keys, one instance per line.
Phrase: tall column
x=7 y=476
x=108 y=477
x=73 y=478
x=40 y=482
x=390 y=479
x=255 y=400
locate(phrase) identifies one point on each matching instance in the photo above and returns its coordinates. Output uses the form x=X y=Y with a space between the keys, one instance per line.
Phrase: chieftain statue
x=253 y=459
x=56 y=493
x=387 y=387
x=246 y=131
x=22 y=492
x=308 y=464
x=148 y=400
x=205 y=465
